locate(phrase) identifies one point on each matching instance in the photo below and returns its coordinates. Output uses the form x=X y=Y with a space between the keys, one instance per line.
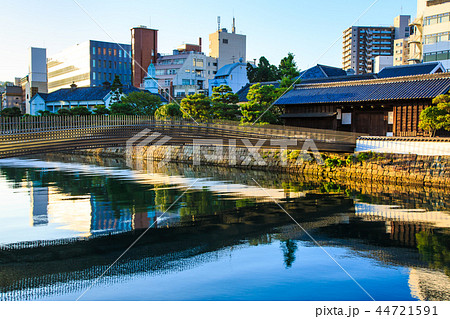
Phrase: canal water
x=211 y=233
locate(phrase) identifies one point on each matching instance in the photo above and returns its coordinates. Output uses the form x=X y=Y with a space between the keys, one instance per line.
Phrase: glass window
x=109 y=52
x=443 y=55
x=99 y=51
x=93 y=50
x=225 y=41
x=115 y=52
x=93 y=75
x=185 y=82
x=120 y=53
x=104 y=51
x=115 y=65
x=110 y=64
x=93 y=63
x=104 y=64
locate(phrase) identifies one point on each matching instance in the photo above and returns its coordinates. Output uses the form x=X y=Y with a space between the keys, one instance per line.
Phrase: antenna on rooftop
x=218 y=23
x=234 y=25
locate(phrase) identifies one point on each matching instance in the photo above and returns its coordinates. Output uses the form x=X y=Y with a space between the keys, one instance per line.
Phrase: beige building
x=227 y=47
x=401 y=51
x=433 y=26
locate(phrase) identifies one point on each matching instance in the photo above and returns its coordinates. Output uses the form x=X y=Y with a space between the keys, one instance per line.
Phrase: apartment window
x=120 y=53
x=110 y=64
x=99 y=51
x=115 y=65
x=104 y=76
x=167 y=82
x=110 y=77
x=187 y=71
x=185 y=82
x=104 y=51
x=109 y=52
x=93 y=75
x=93 y=50
x=225 y=41
x=99 y=75
x=120 y=65
x=104 y=64
x=93 y=63
x=115 y=52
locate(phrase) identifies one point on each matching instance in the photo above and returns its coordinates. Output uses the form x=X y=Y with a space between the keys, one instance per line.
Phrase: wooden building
x=379 y=107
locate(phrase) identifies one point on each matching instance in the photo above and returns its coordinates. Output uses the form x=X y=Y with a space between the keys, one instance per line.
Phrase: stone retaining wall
x=431 y=171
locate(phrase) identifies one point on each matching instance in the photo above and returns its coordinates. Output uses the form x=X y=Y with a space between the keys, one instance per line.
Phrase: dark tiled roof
x=415 y=87
x=321 y=71
x=408 y=70
x=357 y=77
x=242 y=93
x=79 y=94
x=86 y=94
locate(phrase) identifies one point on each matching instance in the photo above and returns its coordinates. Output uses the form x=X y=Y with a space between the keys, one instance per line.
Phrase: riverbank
x=396 y=169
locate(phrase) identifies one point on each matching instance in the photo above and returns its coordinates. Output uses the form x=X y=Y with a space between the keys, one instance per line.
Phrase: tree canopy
x=264 y=72
x=224 y=103
x=11 y=112
x=259 y=106
x=197 y=106
x=168 y=111
x=437 y=116
x=141 y=103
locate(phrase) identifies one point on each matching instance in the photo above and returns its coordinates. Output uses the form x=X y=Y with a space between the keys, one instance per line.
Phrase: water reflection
x=66 y=222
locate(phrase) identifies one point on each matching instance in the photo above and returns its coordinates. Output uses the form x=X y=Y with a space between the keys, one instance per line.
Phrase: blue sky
x=273 y=28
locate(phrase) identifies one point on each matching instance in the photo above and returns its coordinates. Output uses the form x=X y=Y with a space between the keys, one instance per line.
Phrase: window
x=104 y=64
x=104 y=51
x=185 y=82
x=93 y=75
x=109 y=52
x=99 y=75
x=110 y=77
x=115 y=52
x=93 y=50
x=99 y=63
x=99 y=51
x=115 y=65
x=110 y=64
x=120 y=53
x=167 y=82
x=187 y=71
x=225 y=41
x=93 y=63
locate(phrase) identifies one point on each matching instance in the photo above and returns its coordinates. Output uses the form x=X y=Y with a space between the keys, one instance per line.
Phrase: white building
x=234 y=75
x=381 y=62
x=227 y=47
x=185 y=73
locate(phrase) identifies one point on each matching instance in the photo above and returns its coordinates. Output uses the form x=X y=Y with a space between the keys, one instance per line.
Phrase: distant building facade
x=13 y=97
x=144 y=46
x=381 y=62
x=184 y=73
x=362 y=44
x=226 y=47
x=234 y=75
x=434 y=17
x=36 y=79
x=89 y=64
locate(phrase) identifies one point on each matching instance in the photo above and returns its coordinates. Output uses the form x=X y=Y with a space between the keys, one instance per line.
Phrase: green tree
x=224 y=103
x=116 y=90
x=437 y=116
x=80 y=110
x=44 y=113
x=143 y=103
x=259 y=106
x=197 y=106
x=11 y=112
x=101 y=110
x=288 y=68
x=122 y=109
x=264 y=72
x=64 y=112
x=168 y=111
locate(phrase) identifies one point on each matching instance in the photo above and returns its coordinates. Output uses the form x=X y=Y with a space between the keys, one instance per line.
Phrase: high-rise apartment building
x=36 y=79
x=144 y=46
x=362 y=44
x=227 y=47
x=89 y=64
x=433 y=26
x=401 y=51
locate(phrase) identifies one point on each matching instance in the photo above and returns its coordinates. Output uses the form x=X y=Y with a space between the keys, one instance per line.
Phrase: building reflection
x=38 y=205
